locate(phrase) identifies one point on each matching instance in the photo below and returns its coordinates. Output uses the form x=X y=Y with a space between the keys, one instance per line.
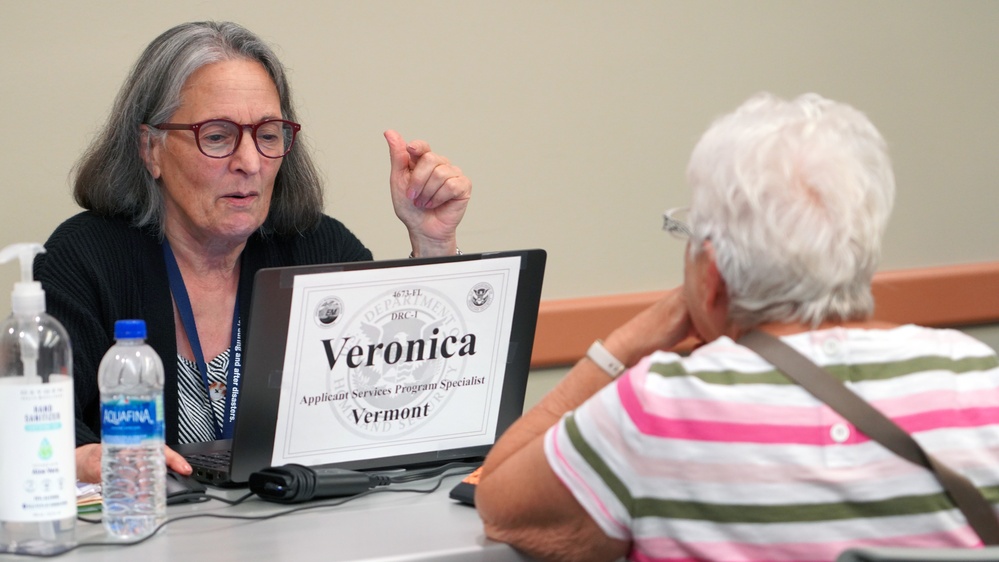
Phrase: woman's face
x=217 y=201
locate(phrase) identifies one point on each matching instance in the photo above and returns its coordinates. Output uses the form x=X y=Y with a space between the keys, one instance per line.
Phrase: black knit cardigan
x=97 y=270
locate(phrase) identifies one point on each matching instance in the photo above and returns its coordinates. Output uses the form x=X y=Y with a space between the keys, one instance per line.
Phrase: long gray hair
x=111 y=178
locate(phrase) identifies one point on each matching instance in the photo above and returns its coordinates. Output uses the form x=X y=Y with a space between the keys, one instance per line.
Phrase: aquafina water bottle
x=133 y=468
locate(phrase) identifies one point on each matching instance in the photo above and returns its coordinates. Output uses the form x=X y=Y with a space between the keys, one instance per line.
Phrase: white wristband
x=603 y=358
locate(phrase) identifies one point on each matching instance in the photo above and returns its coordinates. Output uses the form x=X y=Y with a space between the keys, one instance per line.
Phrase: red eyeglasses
x=219 y=138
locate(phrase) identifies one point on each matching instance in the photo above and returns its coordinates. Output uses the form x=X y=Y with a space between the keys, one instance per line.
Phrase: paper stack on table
x=88 y=497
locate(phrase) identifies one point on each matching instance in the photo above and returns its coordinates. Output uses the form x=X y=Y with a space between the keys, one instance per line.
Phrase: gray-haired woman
x=195 y=183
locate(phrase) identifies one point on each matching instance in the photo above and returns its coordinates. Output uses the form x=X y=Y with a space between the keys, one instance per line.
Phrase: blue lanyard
x=186 y=312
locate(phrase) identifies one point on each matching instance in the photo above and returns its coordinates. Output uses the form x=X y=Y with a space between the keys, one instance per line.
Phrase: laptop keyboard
x=215 y=461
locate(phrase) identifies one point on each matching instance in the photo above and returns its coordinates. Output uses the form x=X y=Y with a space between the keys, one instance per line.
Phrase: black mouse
x=183 y=489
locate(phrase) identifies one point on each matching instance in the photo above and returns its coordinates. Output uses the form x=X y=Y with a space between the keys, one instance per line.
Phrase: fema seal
x=480 y=297
x=394 y=360
x=328 y=312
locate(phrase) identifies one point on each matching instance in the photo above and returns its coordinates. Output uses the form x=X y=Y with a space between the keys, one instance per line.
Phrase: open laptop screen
x=392 y=363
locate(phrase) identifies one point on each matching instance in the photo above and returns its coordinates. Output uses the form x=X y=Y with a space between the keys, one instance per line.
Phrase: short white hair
x=795 y=197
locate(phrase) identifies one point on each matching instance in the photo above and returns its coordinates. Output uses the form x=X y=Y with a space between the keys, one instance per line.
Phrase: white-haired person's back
x=717 y=455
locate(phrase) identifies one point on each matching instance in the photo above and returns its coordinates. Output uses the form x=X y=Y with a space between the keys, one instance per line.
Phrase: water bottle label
x=38 y=448
x=128 y=421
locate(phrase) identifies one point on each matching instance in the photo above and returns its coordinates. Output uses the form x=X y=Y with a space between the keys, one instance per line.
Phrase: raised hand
x=429 y=195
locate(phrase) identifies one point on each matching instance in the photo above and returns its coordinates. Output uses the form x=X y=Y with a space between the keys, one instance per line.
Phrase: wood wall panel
x=959 y=295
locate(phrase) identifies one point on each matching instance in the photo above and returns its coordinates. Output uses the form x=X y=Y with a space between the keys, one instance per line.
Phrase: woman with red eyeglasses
x=195 y=183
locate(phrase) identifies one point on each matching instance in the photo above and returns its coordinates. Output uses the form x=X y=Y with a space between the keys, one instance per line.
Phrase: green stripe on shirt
x=608 y=476
x=797 y=512
x=865 y=371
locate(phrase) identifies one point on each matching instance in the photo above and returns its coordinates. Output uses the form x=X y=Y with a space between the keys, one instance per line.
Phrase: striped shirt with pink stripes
x=717 y=456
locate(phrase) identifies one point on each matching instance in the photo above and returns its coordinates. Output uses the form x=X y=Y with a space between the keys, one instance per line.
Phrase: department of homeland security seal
x=396 y=351
x=328 y=312
x=480 y=297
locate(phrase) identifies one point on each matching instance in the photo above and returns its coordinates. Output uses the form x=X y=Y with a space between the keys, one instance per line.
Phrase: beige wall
x=573 y=118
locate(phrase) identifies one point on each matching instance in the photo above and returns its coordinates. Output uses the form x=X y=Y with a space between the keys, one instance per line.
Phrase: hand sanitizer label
x=37 y=434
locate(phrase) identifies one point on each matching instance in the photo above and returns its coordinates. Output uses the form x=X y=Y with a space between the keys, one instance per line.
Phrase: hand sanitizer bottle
x=37 y=429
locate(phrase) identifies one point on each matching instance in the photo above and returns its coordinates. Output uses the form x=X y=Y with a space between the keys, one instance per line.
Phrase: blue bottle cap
x=130 y=329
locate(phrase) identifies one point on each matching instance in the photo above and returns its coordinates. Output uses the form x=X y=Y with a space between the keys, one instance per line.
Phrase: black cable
x=190 y=497
x=295 y=483
x=440 y=472
x=422 y=473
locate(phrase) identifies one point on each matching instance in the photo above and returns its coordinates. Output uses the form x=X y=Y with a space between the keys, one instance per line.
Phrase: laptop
x=380 y=365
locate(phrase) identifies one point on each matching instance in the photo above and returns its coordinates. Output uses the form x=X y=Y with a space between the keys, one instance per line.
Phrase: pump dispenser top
x=27 y=298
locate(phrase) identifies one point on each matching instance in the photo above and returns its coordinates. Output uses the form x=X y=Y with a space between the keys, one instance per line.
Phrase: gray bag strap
x=827 y=388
